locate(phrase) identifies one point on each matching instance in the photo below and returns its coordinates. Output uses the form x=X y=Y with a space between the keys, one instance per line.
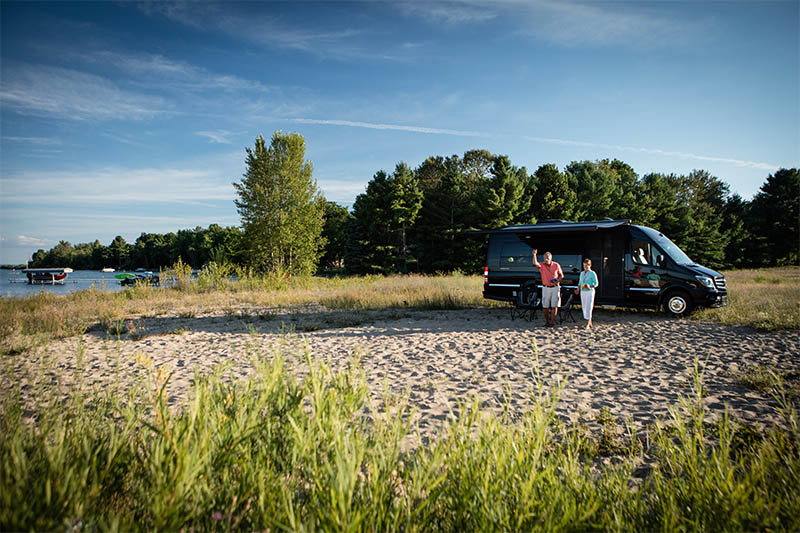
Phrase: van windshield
x=669 y=247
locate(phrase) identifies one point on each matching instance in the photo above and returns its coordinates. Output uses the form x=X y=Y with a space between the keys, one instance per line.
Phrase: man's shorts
x=551 y=297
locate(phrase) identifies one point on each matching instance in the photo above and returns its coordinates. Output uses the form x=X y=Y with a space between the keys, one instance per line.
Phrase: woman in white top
x=587 y=284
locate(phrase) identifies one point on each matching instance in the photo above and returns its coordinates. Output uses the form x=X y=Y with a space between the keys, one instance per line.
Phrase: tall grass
x=26 y=322
x=276 y=453
x=767 y=299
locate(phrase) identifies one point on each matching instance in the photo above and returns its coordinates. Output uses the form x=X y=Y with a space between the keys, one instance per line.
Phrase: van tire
x=677 y=303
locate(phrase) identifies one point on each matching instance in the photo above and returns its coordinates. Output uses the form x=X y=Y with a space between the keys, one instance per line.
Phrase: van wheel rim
x=677 y=304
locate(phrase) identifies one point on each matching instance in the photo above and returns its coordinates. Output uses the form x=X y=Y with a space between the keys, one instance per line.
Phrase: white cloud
x=570 y=23
x=64 y=93
x=163 y=71
x=451 y=13
x=582 y=23
x=342 y=191
x=657 y=151
x=267 y=30
x=118 y=186
x=22 y=240
x=45 y=141
x=219 y=136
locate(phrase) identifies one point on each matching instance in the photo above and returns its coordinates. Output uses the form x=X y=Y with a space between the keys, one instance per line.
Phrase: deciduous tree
x=280 y=206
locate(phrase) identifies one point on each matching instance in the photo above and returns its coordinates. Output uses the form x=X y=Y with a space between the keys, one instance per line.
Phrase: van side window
x=568 y=262
x=659 y=259
x=641 y=253
x=516 y=254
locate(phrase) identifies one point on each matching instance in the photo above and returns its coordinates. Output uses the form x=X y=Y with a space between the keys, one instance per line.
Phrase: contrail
x=415 y=129
x=463 y=133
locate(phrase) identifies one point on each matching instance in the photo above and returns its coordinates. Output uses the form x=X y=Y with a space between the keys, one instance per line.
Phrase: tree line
x=419 y=219
x=152 y=251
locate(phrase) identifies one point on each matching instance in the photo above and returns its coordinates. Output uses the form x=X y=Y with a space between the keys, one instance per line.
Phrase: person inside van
x=551 y=291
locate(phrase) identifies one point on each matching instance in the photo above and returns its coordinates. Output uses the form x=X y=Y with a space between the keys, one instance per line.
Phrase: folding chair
x=527 y=301
x=567 y=299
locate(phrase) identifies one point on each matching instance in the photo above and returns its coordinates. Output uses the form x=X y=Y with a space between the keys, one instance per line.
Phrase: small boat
x=107 y=269
x=46 y=275
x=145 y=278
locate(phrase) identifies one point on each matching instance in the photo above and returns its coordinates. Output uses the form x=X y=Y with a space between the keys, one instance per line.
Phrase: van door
x=610 y=270
x=645 y=272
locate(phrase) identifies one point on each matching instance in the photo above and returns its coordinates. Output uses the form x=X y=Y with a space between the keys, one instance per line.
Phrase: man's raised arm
x=535 y=262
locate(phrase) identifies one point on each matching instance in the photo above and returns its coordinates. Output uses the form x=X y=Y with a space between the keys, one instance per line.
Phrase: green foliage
x=272 y=452
x=735 y=225
x=281 y=207
x=450 y=208
x=553 y=197
x=377 y=233
x=503 y=197
x=419 y=220
x=775 y=214
x=595 y=187
x=334 y=233
x=151 y=250
x=405 y=202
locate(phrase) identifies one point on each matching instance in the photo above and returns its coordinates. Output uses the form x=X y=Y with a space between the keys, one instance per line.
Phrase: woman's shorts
x=551 y=297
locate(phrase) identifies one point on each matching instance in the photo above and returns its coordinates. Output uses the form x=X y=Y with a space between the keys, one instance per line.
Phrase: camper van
x=636 y=266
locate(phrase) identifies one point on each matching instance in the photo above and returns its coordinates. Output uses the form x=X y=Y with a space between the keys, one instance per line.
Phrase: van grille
x=721 y=284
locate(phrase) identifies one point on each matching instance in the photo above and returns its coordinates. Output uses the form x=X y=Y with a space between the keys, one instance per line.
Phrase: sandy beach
x=636 y=365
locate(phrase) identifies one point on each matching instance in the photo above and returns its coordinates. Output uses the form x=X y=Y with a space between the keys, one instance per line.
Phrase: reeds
x=767 y=299
x=27 y=322
x=277 y=453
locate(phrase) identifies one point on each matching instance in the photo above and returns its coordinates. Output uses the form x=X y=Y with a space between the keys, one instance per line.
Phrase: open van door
x=608 y=254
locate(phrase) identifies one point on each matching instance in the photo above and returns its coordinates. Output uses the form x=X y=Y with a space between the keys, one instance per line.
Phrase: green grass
x=277 y=453
x=770 y=380
x=29 y=322
x=764 y=299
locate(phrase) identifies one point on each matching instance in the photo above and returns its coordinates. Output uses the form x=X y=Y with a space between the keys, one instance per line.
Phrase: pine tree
x=775 y=219
x=552 y=197
x=504 y=198
x=405 y=202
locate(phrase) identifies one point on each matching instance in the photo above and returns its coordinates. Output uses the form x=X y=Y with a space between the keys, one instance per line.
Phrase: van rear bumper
x=500 y=291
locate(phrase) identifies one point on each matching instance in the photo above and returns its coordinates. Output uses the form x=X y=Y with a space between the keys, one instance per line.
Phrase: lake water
x=15 y=283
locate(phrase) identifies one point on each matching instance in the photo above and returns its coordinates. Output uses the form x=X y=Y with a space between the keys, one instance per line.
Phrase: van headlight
x=706 y=282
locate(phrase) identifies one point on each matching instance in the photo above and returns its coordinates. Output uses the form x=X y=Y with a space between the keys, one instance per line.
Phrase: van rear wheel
x=677 y=303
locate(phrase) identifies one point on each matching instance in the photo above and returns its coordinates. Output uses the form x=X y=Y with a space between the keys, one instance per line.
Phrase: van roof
x=553 y=226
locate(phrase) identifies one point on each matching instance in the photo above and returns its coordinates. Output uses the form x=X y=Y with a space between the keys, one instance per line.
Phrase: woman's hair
x=587 y=260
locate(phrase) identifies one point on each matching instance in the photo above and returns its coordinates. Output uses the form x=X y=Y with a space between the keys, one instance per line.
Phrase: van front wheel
x=677 y=303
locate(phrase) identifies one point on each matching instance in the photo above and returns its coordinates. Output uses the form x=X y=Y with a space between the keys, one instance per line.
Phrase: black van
x=636 y=266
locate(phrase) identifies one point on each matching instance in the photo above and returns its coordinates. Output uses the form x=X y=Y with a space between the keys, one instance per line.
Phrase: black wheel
x=677 y=303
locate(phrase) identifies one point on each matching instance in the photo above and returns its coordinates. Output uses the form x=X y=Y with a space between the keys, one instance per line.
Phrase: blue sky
x=119 y=118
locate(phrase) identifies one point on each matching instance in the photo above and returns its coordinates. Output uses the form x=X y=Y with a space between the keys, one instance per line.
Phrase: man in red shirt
x=551 y=286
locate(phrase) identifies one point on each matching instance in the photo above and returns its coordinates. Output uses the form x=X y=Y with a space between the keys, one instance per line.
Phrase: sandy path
x=636 y=365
